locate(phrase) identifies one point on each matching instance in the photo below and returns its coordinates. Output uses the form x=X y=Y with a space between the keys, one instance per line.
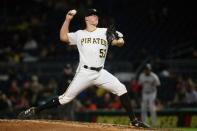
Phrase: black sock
x=126 y=103
x=50 y=104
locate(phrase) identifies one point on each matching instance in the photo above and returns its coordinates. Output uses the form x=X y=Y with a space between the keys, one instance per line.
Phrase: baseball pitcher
x=92 y=44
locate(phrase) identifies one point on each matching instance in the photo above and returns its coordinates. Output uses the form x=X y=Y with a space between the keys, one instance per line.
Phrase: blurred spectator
x=11 y=56
x=52 y=86
x=49 y=91
x=180 y=93
x=107 y=101
x=186 y=95
x=89 y=105
x=43 y=53
x=100 y=92
x=13 y=92
x=52 y=52
x=191 y=94
x=30 y=49
x=30 y=44
x=27 y=91
x=116 y=104
x=66 y=79
x=36 y=88
x=23 y=102
x=135 y=92
x=5 y=103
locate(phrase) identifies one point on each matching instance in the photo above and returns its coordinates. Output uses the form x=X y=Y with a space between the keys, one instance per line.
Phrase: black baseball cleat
x=28 y=114
x=137 y=123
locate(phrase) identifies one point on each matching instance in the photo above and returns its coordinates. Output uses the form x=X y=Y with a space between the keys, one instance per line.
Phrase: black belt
x=93 y=68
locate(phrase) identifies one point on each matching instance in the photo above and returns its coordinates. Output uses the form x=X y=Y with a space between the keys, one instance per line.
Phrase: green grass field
x=186 y=129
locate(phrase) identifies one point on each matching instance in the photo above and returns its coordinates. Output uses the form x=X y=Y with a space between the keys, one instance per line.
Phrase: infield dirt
x=53 y=125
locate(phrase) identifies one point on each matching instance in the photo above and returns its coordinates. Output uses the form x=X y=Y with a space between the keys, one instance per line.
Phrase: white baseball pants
x=85 y=78
x=148 y=103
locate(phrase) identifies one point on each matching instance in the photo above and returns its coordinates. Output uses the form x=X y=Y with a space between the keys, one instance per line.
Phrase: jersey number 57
x=102 y=53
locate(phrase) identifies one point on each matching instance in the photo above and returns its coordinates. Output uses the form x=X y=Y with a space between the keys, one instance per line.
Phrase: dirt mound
x=49 y=125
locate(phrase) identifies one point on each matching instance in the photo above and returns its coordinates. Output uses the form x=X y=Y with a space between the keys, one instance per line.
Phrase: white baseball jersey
x=149 y=83
x=92 y=46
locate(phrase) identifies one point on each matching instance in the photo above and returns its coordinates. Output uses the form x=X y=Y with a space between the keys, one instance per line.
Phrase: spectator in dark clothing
x=66 y=78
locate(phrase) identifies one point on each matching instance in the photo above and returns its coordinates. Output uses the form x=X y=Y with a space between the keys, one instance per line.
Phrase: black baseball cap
x=90 y=12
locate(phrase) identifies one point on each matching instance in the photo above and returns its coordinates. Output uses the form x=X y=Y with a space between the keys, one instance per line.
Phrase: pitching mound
x=49 y=125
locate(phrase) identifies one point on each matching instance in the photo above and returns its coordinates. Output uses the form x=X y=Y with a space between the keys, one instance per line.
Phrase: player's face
x=92 y=20
x=147 y=71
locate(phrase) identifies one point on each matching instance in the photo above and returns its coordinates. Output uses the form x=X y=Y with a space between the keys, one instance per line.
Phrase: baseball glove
x=111 y=34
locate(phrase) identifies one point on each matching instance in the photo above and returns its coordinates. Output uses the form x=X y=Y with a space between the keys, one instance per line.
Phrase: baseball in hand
x=73 y=12
x=121 y=40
